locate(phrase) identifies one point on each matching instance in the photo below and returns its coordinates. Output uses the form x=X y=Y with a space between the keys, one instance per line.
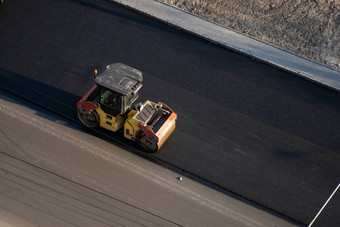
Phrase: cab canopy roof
x=120 y=78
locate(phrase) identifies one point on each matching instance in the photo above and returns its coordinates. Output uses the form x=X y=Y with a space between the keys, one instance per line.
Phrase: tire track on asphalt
x=46 y=192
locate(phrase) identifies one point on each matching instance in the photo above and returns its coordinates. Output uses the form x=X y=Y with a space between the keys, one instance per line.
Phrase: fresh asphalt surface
x=247 y=127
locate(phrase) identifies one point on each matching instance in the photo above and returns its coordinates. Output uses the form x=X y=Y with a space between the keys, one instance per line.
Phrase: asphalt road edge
x=237 y=42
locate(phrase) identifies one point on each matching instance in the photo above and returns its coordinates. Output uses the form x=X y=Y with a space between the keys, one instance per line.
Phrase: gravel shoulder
x=308 y=28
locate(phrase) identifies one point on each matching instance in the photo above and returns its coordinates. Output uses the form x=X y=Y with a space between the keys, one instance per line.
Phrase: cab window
x=130 y=99
x=110 y=101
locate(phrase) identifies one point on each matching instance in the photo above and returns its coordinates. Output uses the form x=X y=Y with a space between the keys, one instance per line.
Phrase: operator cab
x=119 y=85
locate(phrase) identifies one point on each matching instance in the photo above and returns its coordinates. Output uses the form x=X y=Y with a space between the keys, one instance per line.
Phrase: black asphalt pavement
x=247 y=127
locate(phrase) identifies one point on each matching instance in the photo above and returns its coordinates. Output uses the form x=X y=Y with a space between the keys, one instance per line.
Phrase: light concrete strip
x=230 y=39
x=8 y=219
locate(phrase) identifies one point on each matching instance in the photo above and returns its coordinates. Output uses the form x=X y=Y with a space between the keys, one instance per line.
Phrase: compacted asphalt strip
x=247 y=127
x=233 y=40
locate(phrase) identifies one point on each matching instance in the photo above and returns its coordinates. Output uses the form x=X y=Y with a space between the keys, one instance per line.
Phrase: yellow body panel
x=131 y=125
x=110 y=122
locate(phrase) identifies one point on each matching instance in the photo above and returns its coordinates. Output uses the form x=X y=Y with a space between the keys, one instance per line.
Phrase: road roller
x=111 y=104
